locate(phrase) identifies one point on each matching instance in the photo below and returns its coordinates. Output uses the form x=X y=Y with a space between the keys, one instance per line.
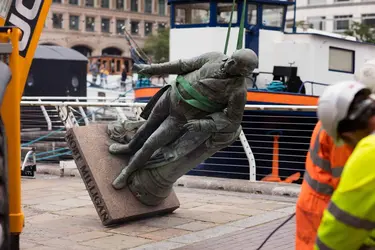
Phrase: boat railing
x=271 y=147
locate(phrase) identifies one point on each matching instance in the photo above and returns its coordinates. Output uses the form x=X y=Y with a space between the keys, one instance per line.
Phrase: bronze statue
x=185 y=122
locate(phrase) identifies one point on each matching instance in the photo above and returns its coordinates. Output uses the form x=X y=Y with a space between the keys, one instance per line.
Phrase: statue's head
x=242 y=63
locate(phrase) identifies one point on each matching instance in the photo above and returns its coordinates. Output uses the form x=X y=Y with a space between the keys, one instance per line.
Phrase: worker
x=323 y=168
x=347 y=113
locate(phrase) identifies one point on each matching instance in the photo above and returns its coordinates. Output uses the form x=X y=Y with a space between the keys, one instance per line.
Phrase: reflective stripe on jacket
x=349 y=221
x=324 y=162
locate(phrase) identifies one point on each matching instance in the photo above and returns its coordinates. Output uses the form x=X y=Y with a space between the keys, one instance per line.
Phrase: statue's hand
x=141 y=68
x=193 y=126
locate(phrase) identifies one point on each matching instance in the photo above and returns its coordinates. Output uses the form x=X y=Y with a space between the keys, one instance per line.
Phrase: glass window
x=273 y=15
x=105 y=25
x=148 y=28
x=317 y=23
x=342 y=23
x=57 y=21
x=134 y=27
x=73 y=2
x=194 y=13
x=134 y=5
x=224 y=11
x=74 y=22
x=90 y=23
x=162 y=7
x=120 y=4
x=161 y=26
x=56 y=1
x=369 y=20
x=148 y=6
x=119 y=27
x=104 y=4
x=89 y=3
x=341 y=60
x=253 y=14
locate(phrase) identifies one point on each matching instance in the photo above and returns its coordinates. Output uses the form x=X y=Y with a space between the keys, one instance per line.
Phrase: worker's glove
x=142 y=69
x=203 y=125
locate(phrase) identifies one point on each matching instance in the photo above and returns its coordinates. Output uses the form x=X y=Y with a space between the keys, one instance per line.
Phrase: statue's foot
x=122 y=180
x=117 y=148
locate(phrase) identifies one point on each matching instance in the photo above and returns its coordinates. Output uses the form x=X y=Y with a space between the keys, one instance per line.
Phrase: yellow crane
x=21 y=24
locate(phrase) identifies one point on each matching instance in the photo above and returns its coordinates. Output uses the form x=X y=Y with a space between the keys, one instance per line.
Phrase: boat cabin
x=317 y=58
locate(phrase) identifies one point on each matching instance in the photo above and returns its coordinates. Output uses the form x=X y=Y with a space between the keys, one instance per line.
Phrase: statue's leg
x=167 y=132
x=159 y=113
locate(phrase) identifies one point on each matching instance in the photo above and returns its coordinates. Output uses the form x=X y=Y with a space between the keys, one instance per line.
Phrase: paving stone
x=98 y=168
x=165 y=222
x=133 y=229
x=87 y=211
x=117 y=241
x=71 y=203
x=196 y=226
x=163 y=234
x=218 y=217
x=159 y=246
x=86 y=236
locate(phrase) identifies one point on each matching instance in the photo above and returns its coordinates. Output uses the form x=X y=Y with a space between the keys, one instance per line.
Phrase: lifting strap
x=242 y=25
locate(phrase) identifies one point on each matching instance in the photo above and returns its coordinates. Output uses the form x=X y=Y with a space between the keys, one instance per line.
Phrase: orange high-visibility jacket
x=324 y=164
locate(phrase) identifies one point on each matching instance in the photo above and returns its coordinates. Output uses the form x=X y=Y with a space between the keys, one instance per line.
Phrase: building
x=333 y=15
x=95 y=27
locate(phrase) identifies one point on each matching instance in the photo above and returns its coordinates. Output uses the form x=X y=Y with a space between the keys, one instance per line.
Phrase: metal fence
x=272 y=147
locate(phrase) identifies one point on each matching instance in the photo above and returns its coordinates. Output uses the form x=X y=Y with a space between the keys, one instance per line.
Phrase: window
x=289 y=25
x=73 y=2
x=161 y=26
x=57 y=21
x=340 y=1
x=342 y=23
x=134 y=27
x=119 y=25
x=194 y=13
x=120 y=4
x=134 y=5
x=89 y=3
x=56 y=1
x=317 y=23
x=253 y=15
x=74 y=22
x=316 y=2
x=369 y=20
x=341 y=60
x=223 y=13
x=105 y=25
x=273 y=15
x=104 y=4
x=148 y=28
x=162 y=7
x=90 y=23
x=148 y=6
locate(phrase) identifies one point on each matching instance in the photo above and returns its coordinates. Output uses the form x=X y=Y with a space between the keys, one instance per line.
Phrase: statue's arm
x=181 y=66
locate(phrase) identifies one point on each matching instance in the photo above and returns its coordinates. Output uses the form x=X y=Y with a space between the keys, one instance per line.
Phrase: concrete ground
x=60 y=215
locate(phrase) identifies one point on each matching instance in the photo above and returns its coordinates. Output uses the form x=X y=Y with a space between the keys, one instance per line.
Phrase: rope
x=229 y=27
x=242 y=25
x=53 y=156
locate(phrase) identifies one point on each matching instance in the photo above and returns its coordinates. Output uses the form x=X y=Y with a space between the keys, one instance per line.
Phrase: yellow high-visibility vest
x=349 y=221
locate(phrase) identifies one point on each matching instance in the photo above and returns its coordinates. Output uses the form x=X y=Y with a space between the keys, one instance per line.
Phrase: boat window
x=273 y=15
x=341 y=60
x=223 y=13
x=195 y=13
x=252 y=14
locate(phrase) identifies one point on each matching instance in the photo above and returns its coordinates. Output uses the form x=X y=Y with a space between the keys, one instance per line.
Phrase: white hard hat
x=366 y=74
x=333 y=106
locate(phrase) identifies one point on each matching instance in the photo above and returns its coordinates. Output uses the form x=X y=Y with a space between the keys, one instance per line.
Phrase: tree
x=157 y=46
x=362 y=32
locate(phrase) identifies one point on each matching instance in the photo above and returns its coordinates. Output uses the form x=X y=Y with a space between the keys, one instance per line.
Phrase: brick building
x=94 y=27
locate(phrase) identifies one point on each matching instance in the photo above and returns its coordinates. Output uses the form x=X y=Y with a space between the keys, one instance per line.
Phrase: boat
x=294 y=68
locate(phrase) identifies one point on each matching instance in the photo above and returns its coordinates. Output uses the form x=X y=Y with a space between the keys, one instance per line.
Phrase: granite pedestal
x=98 y=169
